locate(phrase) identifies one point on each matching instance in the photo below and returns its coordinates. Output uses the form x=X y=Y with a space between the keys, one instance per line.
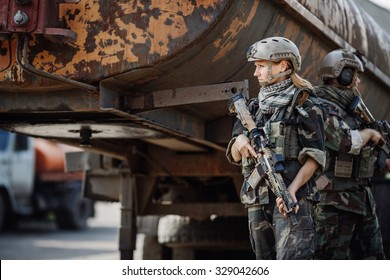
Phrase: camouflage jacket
x=348 y=194
x=310 y=142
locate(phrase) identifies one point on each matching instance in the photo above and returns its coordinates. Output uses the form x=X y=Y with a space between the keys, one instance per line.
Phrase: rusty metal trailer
x=147 y=83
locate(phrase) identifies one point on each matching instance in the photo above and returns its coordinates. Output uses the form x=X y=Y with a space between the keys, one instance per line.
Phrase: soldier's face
x=262 y=72
x=355 y=82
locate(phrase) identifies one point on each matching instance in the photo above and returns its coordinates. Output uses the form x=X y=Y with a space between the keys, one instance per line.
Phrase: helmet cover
x=275 y=49
x=334 y=62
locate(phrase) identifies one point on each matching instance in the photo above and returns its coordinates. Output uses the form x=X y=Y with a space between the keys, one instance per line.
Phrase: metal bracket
x=111 y=99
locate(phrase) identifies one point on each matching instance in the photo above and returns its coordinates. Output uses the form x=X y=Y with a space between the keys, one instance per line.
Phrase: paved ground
x=42 y=240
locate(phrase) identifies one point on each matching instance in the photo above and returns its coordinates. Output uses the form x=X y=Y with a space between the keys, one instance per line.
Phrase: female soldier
x=292 y=121
x=347 y=224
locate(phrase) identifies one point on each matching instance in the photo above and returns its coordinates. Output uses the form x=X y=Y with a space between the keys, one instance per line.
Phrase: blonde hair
x=300 y=82
x=297 y=80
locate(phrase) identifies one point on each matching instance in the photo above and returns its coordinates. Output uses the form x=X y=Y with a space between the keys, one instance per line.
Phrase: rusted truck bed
x=147 y=82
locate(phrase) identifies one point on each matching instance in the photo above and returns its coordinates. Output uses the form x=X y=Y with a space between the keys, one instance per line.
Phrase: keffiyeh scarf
x=276 y=96
x=342 y=98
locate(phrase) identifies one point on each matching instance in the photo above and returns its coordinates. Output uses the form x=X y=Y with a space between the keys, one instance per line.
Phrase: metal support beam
x=45 y=101
x=185 y=96
x=112 y=98
x=127 y=231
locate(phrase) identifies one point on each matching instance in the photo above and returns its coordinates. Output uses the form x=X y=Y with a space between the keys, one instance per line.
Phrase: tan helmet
x=334 y=62
x=275 y=49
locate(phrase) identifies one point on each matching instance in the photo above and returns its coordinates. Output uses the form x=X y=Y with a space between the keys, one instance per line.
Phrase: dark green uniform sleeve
x=311 y=134
x=337 y=133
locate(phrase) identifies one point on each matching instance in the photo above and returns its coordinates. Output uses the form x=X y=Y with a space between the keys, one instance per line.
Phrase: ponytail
x=300 y=82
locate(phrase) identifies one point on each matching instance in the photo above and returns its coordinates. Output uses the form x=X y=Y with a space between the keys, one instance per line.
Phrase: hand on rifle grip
x=282 y=208
x=244 y=146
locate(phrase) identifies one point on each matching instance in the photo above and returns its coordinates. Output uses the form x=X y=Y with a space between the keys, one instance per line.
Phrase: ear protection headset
x=346 y=76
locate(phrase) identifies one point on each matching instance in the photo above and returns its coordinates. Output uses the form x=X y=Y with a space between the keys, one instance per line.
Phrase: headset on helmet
x=341 y=65
x=275 y=49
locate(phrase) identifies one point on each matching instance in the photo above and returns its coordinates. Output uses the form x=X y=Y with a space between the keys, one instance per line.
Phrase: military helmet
x=334 y=62
x=275 y=49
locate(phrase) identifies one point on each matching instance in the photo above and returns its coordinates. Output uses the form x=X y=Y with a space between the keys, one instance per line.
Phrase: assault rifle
x=268 y=164
x=358 y=108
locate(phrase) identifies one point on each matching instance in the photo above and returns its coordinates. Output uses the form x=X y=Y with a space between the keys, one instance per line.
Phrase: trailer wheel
x=76 y=214
x=178 y=231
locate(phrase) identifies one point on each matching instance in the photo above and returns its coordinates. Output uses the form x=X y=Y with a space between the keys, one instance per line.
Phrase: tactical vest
x=282 y=131
x=346 y=171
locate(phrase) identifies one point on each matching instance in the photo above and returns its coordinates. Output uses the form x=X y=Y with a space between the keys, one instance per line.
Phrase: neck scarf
x=276 y=96
x=340 y=97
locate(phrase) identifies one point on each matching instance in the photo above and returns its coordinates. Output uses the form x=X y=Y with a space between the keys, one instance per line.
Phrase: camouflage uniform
x=272 y=236
x=346 y=222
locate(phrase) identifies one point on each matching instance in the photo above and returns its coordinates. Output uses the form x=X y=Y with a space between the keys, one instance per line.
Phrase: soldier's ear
x=283 y=66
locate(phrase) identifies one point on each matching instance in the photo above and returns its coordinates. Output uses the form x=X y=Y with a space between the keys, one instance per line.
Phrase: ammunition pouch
x=328 y=183
x=284 y=139
x=365 y=165
x=348 y=172
x=343 y=166
x=361 y=166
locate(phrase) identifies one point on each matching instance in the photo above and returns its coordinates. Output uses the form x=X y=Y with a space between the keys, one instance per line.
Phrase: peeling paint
x=228 y=40
x=113 y=34
x=341 y=17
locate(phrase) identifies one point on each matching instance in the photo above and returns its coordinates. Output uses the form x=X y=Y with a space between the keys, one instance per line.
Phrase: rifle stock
x=268 y=164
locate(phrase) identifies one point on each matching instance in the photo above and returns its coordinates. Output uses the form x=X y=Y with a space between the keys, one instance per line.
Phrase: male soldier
x=294 y=126
x=346 y=222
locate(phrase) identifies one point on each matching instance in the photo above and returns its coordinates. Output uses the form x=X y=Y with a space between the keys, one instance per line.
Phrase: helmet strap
x=285 y=73
x=271 y=77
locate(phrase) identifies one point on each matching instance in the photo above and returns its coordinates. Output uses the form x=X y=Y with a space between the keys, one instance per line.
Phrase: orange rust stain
x=186 y=8
x=14 y=72
x=163 y=33
x=78 y=25
x=174 y=7
x=45 y=58
x=104 y=52
x=228 y=39
x=109 y=47
x=5 y=60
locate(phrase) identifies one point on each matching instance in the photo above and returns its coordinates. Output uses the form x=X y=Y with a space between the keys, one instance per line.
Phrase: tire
x=76 y=214
x=178 y=231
